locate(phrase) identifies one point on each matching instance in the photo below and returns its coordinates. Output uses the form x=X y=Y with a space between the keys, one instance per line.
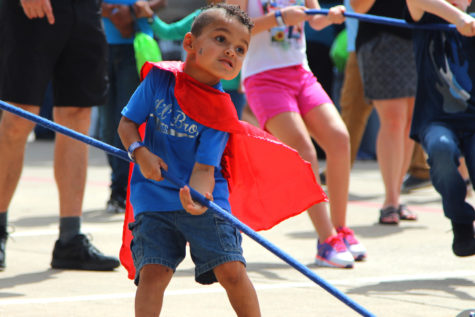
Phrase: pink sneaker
x=356 y=248
x=333 y=253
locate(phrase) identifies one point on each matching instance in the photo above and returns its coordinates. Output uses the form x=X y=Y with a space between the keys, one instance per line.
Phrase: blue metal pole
x=386 y=20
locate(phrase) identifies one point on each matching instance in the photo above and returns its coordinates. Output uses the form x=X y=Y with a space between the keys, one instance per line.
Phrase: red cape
x=268 y=181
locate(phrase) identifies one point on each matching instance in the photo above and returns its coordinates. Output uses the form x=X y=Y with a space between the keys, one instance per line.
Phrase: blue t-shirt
x=112 y=33
x=177 y=139
x=446 y=75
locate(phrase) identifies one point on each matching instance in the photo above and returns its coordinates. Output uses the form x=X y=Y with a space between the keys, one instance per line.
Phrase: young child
x=164 y=220
x=289 y=102
x=444 y=115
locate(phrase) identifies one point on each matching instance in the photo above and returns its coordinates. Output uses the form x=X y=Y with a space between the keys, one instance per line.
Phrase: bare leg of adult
x=290 y=128
x=391 y=145
x=14 y=132
x=154 y=279
x=70 y=160
x=241 y=293
x=408 y=142
x=329 y=130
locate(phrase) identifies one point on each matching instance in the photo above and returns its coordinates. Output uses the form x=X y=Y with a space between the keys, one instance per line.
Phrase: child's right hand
x=294 y=15
x=190 y=205
x=142 y=9
x=150 y=164
x=466 y=25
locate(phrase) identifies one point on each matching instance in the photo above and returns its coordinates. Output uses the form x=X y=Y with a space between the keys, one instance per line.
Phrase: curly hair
x=206 y=18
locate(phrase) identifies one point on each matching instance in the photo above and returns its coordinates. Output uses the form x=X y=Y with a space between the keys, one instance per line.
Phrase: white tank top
x=277 y=47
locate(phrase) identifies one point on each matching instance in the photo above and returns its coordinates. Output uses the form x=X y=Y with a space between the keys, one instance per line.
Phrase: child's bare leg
x=154 y=278
x=328 y=129
x=242 y=295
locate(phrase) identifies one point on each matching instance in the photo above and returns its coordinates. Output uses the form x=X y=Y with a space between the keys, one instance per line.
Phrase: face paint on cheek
x=200 y=51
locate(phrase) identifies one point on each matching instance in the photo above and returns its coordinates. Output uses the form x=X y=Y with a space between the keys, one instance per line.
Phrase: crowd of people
x=257 y=51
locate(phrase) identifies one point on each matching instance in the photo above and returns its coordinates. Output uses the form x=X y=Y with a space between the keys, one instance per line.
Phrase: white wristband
x=279 y=18
x=132 y=149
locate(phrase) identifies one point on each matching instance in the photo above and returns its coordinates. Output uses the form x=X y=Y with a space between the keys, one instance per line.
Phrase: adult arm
x=362 y=6
x=147 y=8
x=202 y=180
x=465 y=23
x=38 y=9
x=156 y=5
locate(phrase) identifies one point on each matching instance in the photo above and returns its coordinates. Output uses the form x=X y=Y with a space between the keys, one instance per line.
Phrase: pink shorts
x=281 y=90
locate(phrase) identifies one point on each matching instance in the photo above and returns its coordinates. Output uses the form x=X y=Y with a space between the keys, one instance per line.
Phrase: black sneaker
x=3 y=242
x=80 y=254
x=116 y=205
x=464 y=240
x=323 y=177
x=411 y=183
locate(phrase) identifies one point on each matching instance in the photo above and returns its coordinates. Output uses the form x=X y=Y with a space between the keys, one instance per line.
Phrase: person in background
x=444 y=113
x=78 y=71
x=387 y=66
x=120 y=24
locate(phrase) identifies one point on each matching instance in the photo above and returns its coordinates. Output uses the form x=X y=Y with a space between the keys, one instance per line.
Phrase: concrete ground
x=410 y=270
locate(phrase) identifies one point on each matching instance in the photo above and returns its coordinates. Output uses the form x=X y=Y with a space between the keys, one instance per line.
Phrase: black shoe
x=80 y=254
x=323 y=177
x=411 y=183
x=116 y=204
x=3 y=242
x=464 y=240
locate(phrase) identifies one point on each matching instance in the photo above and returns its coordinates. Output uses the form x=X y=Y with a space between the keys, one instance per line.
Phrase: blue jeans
x=445 y=146
x=123 y=80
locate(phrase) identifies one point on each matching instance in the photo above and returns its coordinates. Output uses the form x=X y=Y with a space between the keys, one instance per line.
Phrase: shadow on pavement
x=27 y=278
x=93 y=216
x=422 y=287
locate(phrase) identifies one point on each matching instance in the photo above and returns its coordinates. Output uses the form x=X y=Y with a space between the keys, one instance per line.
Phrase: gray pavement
x=410 y=270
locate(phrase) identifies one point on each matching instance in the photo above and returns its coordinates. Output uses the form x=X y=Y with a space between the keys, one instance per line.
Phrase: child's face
x=219 y=51
x=461 y=4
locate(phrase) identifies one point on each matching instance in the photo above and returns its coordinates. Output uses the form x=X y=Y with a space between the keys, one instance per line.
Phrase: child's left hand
x=190 y=205
x=335 y=14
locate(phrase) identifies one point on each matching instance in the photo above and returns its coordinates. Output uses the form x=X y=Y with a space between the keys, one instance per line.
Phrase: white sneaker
x=355 y=247
x=333 y=253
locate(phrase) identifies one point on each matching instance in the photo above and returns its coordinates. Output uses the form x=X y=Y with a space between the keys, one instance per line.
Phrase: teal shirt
x=173 y=31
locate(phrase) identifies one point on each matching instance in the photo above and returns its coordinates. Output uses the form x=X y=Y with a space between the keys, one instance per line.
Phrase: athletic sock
x=68 y=228
x=3 y=223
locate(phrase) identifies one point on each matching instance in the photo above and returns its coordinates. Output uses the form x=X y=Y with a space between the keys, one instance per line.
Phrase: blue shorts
x=161 y=237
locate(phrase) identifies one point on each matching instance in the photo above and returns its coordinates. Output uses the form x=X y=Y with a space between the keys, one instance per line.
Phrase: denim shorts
x=161 y=238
